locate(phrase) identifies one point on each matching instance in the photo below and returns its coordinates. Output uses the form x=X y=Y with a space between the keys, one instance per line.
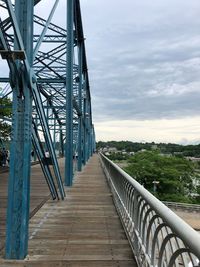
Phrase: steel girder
x=49 y=86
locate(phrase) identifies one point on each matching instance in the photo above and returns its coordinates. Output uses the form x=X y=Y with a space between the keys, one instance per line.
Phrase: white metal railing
x=183 y=206
x=158 y=237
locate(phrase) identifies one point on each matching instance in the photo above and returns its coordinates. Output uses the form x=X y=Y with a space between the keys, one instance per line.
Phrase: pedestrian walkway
x=83 y=230
x=39 y=195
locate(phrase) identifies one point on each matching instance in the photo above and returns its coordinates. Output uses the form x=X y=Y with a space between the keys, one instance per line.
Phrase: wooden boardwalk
x=39 y=195
x=83 y=230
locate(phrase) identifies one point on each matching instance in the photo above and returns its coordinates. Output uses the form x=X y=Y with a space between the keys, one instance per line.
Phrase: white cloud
x=175 y=89
x=181 y=131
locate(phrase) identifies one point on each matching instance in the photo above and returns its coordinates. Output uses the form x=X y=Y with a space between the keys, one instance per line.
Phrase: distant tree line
x=128 y=146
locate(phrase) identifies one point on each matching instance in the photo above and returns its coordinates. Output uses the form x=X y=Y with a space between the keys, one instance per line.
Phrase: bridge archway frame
x=51 y=98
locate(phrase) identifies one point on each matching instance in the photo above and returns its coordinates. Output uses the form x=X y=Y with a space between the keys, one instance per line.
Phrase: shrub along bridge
x=47 y=80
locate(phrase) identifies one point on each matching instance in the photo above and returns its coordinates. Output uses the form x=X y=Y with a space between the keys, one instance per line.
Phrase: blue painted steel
x=19 y=178
x=80 y=130
x=47 y=135
x=42 y=80
x=39 y=42
x=61 y=149
x=51 y=39
x=39 y=150
x=84 y=129
x=69 y=94
x=56 y=108
x=87 y=129
x=94 y=140
x=54 y=133
x=52 y=27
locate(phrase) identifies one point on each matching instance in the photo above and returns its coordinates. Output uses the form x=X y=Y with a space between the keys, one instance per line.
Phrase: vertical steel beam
x=88 y=135
x=36 y=122
x=19 y=177
x=54 y=131
x=84 y=128
x=80 y=141
x=47 y=117
x=61 y=142
x=90 y=132
x=87 y=129
x=69 y=94
x=94 y=139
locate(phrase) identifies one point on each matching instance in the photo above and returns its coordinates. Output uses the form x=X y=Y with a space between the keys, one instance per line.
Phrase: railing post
x=136 y=226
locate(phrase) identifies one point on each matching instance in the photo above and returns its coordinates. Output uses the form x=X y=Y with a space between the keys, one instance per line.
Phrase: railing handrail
x=181 y=228
x=182 y=205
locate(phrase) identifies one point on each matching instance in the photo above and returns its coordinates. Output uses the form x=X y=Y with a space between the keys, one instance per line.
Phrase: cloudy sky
x=144 y=66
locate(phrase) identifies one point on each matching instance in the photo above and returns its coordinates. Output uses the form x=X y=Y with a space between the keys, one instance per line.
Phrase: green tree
x=197 y=197
x=5 y=111
x=118 y=156
x=174 y=174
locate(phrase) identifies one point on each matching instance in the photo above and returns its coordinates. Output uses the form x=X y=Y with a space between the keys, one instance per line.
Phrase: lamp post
x=155 y=183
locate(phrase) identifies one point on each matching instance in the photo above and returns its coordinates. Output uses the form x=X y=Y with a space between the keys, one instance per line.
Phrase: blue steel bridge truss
x=51 y=104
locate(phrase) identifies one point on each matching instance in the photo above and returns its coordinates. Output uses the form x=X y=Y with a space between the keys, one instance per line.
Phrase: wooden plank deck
x=83 y=230
x=39 y=195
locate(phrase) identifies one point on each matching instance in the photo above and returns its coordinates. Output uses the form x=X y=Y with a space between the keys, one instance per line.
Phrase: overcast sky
x=144 y=67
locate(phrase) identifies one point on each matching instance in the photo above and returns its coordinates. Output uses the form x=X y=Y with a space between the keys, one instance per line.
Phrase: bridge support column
x=88 y=129
x=69 y=94
x=80 y=134
x=84 y=130
x=19 y=177
x=61 y=148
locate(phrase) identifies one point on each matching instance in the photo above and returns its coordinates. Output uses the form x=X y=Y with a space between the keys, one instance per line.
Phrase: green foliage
x=5 y=104
x=5 y=131
x=118 y=156
x=174 y=174
x=197 y=197
x=5 y=110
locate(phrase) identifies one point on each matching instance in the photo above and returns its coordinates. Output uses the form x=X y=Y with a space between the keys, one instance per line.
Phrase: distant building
x=112 y=149
x=109 y=150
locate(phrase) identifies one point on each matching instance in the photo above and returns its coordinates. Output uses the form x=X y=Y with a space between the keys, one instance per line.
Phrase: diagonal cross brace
x=37 y=99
